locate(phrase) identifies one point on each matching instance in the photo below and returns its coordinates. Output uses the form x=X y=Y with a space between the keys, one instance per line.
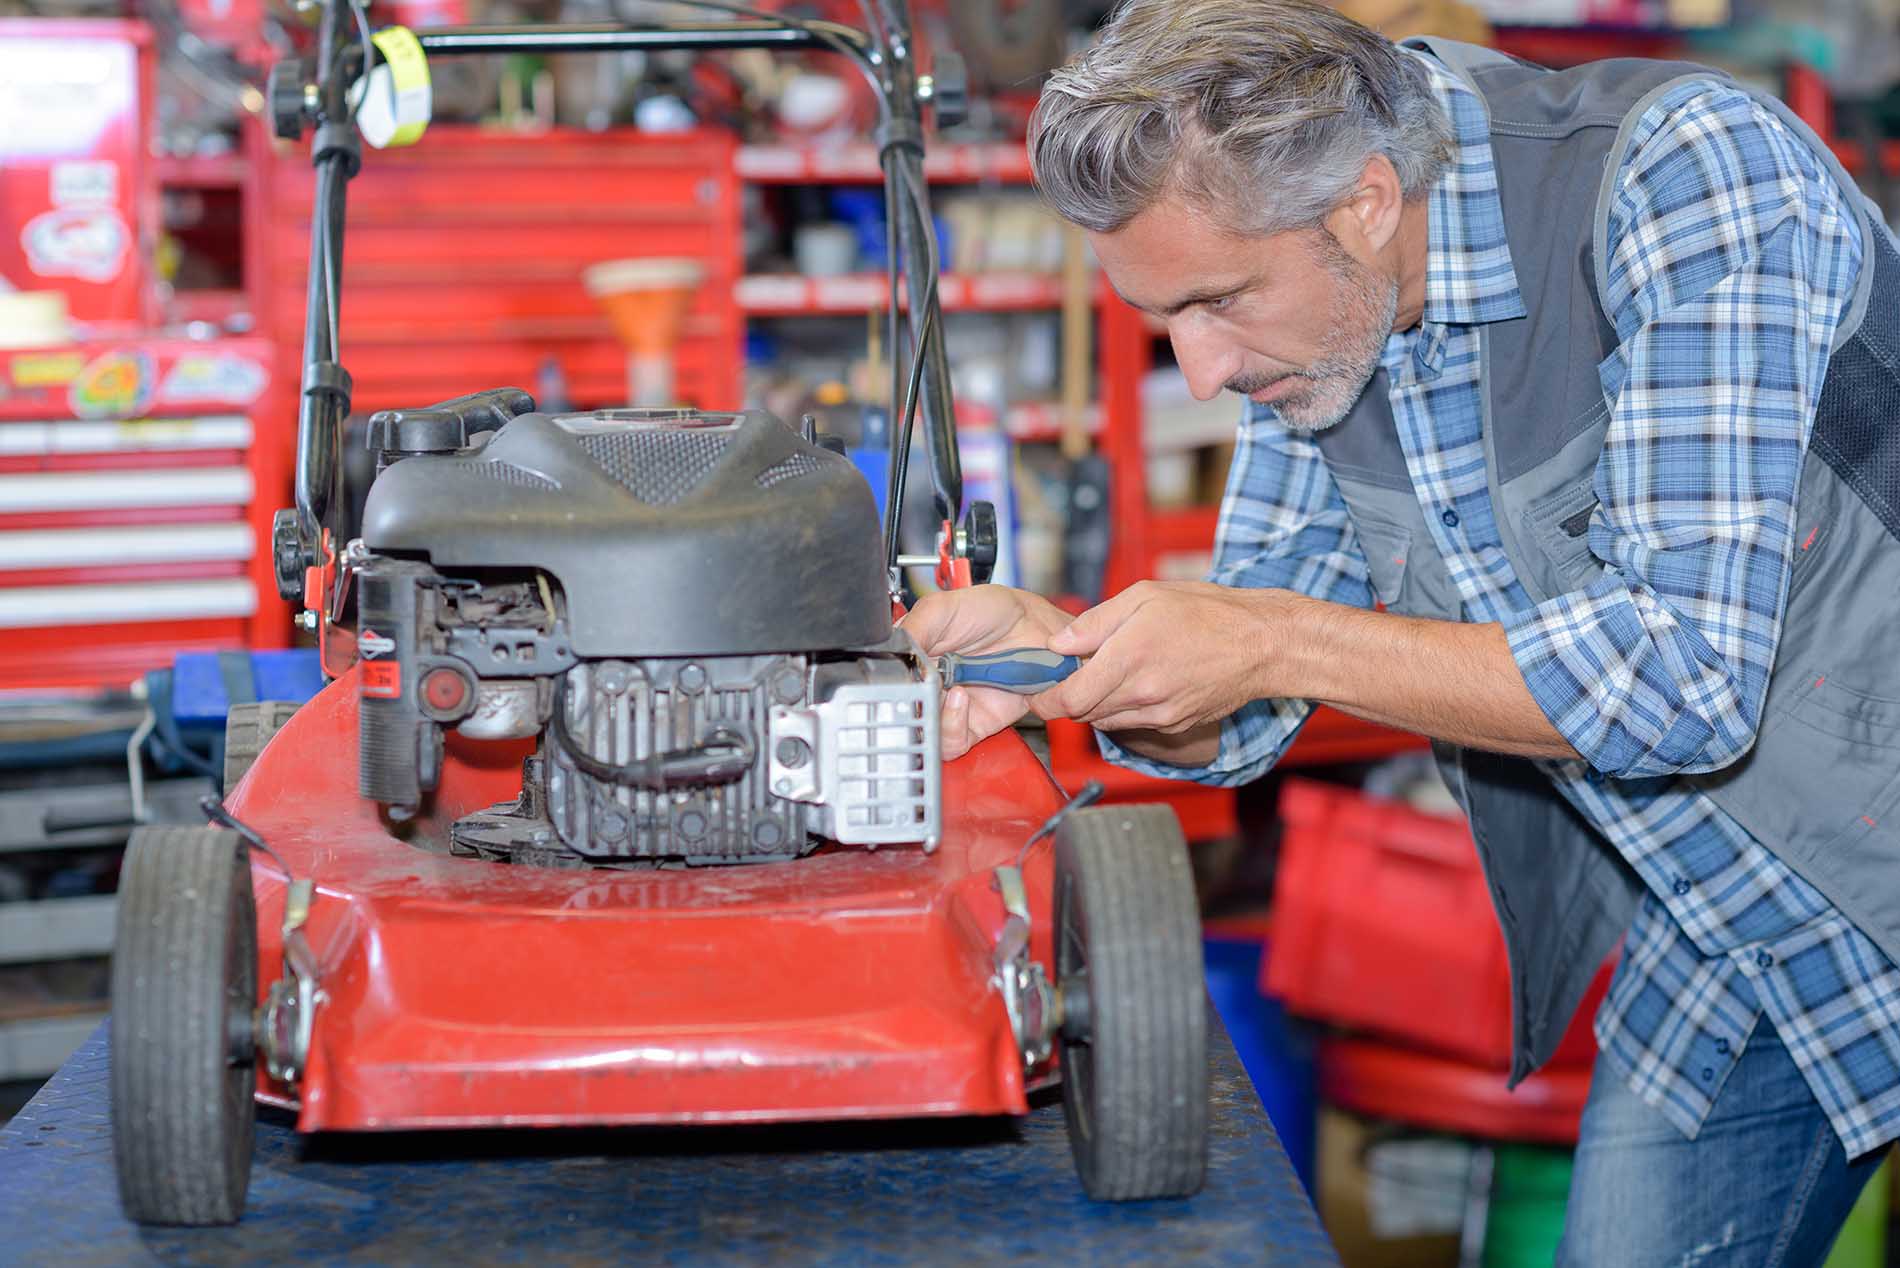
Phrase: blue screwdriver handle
x=1023 y=670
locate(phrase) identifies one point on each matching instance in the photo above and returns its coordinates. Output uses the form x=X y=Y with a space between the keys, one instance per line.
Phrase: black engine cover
x=671 y=532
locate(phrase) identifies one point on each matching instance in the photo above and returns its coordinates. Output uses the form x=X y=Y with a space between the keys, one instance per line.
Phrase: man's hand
x=980 y=619
x=1165 y=656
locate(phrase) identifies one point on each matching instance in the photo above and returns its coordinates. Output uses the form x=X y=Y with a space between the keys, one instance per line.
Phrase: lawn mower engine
x=688 y=611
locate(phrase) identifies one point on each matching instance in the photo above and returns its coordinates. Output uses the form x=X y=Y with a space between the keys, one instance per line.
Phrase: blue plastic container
x=200 y=698
x=1276 y=1050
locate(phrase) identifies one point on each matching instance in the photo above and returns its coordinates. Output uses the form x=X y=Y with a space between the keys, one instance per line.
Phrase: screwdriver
x=1023 y=670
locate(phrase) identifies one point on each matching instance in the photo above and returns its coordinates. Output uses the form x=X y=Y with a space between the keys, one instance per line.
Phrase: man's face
x=1291 y=320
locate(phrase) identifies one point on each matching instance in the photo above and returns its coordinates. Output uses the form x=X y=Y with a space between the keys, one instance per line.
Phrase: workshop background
x=152 y=257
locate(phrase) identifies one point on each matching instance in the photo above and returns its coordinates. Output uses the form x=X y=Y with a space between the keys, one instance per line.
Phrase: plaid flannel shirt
x=1732 y=259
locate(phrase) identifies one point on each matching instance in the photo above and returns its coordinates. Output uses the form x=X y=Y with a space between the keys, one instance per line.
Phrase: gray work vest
x=1821 y=787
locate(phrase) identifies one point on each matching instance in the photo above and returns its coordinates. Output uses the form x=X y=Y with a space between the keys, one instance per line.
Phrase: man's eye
x=1219 y=304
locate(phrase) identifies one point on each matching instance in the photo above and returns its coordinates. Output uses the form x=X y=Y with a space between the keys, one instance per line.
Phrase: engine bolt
x=691 y=677
x=767 y=833
x=788 y=686
x=792 y=752
x=691 y=825
x=613 y=825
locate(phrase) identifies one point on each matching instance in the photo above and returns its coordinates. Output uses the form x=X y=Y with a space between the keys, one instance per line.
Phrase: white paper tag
x=393 y=104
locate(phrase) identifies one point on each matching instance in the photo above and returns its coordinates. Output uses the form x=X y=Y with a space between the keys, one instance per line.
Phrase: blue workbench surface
x=949 y=1191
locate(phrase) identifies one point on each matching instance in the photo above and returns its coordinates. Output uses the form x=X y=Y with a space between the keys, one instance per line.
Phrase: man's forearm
x=1197 y=747
x=1445 y=679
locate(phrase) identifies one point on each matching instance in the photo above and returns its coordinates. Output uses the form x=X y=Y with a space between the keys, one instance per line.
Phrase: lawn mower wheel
x=247 y=729
x=1134 y=1034
x=184 y=986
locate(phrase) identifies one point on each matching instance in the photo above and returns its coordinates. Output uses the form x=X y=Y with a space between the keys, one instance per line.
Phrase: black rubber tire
x=247 y=729
x=184 y=983
x=1134 y=1082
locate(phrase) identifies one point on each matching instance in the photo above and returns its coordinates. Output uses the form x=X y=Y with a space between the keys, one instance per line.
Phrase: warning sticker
x=382 y=678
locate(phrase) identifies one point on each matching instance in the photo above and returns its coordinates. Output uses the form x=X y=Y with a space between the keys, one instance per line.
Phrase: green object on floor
x=1529 y=1188
x=1862 y=1242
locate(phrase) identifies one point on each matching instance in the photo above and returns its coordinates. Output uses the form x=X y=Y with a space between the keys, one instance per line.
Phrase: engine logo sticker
x=382 y=678
x=371 y=644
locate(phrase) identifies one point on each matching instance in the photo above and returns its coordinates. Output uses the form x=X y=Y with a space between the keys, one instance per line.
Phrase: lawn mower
x=624 y=804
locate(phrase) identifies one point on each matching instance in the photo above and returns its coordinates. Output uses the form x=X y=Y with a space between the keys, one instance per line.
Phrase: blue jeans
x=1764 y=1184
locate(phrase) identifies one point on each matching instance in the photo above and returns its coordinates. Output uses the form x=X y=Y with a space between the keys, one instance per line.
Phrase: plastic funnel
x=646 y=300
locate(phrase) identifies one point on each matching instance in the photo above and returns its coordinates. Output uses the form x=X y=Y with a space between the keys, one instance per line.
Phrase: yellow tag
x=395 y=101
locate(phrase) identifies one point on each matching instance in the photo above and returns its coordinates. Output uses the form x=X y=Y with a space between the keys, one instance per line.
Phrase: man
x=1591 y=380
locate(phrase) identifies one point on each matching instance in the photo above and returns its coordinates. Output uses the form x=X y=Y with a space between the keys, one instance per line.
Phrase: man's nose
x=1206 y=362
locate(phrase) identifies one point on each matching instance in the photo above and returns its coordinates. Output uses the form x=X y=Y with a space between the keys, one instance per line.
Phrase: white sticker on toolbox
x=88 y=243
x=198 y=377
x=85 y=183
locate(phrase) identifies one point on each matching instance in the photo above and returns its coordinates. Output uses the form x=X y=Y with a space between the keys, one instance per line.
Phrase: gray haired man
x=1591 y=379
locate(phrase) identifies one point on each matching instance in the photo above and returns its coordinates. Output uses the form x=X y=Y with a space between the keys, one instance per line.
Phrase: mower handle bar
x=613 y=37
x=887 y=63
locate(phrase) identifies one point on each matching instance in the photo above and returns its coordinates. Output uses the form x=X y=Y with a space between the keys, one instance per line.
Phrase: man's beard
x=1363 y=315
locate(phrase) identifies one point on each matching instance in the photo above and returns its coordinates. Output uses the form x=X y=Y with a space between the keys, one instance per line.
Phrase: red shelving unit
x=1006 y=164
x=794 y=295
x=1806 y=93
x=1574 y=45
x=222 y=171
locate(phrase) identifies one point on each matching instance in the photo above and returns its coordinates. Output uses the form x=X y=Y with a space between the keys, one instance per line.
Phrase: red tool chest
x=137 y=482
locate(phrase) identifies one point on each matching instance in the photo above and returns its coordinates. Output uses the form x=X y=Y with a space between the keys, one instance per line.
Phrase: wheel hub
x=240 y=1037
x=1072 y=998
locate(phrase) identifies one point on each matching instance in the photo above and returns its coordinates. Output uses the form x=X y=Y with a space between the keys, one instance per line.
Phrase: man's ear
x=1371 y=214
